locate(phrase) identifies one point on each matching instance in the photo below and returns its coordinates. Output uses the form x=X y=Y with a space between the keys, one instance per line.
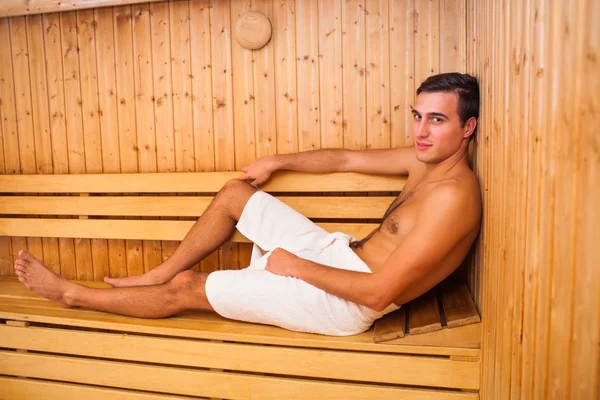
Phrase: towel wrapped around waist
x=256 y=295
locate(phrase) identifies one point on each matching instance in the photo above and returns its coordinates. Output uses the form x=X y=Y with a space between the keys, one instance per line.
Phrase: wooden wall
x=163 y=86
x=538 y=159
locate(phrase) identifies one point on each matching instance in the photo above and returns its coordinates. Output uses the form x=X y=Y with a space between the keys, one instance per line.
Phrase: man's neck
x=438 y=171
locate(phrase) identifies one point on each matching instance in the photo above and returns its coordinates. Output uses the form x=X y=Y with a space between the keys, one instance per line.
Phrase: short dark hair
x=465 y=85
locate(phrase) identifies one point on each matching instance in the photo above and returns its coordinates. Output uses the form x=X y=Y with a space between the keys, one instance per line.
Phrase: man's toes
x=22 y=279
x=27 y=256
x=20 y=272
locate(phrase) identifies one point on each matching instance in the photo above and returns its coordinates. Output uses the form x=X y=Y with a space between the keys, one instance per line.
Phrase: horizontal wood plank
x=11 y=8
x=194 y=182
x=184 y=206
x=15 y=388
x=189 y=382
x=467 y=336
x=133 y=229
x=18 y=303
x=330 y=364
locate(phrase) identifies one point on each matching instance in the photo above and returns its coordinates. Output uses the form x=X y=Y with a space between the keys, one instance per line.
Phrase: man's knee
x=234 y=186
x=188 y=280
x=190 y=288
x=234 y=195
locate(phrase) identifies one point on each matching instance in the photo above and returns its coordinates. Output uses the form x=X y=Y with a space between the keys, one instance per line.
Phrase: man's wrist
x=277 y=162
x=302 y=268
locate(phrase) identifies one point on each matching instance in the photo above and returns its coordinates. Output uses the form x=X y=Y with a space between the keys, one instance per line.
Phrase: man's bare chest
x=400 y=217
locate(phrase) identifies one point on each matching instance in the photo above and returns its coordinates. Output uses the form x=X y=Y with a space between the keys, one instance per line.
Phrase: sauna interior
x=111 y=87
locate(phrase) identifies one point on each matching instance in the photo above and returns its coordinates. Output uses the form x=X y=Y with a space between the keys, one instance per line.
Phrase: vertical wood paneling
x=402 y=75
x=126 y=115
x=243 y=93
x=23 y=102
x=58 y=128
x=264 y=90
x=87 y=25
x=427 y=32
x=74 y=125
x=202 y=85
x=585 y=336
x=109 y=122
x=286 y=92
x=307 y=56
x=537 y=158
x=331 y=73
x=163 y=98
x=354 y=49
x=41 y=121
x=378 y=74
x=181 y=73
x=8 y=127
x=568 y=148
x=144 y=99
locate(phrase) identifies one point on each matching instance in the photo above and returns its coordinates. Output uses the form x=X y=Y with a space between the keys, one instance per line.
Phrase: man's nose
x=422 y=130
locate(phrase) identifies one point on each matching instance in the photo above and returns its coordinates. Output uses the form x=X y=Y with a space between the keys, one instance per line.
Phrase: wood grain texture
x=328 y=364
x=22 y=7
x=149 y=87
x=424 y=314
x=133 y=229
x=203 y=383
x=535 y=156
x=16 y=388
x=186 y=206
x=281 y=181
x=458 y=305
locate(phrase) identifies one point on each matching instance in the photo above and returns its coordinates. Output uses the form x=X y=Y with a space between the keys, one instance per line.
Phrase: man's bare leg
x=210 y=231
x=185 y=291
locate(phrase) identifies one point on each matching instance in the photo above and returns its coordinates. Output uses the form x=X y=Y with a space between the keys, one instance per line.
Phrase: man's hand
x=282 y=262
x=259 y=171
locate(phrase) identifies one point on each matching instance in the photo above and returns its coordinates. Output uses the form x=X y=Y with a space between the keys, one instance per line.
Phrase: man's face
x=436 y=126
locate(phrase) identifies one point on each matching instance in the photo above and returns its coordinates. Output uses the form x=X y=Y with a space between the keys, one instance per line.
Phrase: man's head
x=445 y=114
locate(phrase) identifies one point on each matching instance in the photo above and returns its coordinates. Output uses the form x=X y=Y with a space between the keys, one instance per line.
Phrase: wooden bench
x=50 y=352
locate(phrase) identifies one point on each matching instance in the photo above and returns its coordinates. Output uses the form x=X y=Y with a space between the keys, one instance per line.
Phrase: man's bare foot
x=140 y=280
x=37 y=277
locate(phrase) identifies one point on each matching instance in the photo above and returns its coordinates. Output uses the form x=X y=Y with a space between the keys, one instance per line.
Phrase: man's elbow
x=379 y=302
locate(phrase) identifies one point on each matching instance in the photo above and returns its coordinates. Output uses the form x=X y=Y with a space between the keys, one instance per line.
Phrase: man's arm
x=380 y=161
x=439 y=227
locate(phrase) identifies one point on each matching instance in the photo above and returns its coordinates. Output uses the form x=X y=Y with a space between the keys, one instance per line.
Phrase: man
x=311 y=280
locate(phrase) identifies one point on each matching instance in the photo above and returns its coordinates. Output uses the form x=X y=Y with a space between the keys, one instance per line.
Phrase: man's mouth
x=422 y=146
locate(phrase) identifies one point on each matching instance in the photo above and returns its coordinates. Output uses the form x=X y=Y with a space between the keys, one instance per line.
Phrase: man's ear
x=469 y=127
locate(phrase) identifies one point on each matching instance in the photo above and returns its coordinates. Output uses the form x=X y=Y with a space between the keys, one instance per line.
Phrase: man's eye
x=417 y=116
x=436 y=120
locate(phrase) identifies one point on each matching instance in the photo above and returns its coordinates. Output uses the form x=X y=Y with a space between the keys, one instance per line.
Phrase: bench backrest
x=105 y=206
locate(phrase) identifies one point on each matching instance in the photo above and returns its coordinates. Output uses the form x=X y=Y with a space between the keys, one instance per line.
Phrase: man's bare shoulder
x=459 y=195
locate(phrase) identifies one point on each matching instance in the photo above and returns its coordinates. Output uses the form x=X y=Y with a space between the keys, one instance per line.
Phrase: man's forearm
x=317 y=161
x=358 y=287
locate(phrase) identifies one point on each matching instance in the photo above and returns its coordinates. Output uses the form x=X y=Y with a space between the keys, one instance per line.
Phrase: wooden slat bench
x=48 y=352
